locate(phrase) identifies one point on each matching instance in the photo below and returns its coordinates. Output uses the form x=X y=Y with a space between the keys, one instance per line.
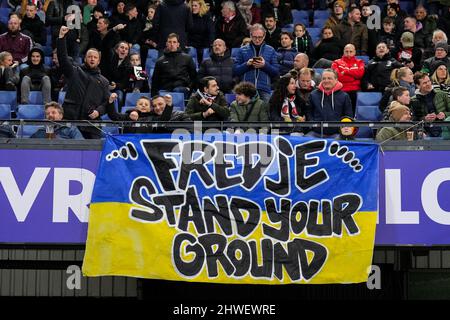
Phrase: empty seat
x=35 y=97
x=5 y=111
x=321 y=14
x=230 y=97
x=27 y=131
x=177 y=99
x=368 y=98
x=315 y=34
x=364 y=133
x=30 y=111
x=288 y=28
x=300 y=16
x=319 y=22
x=206 y=54
x=368 y=113
x=9 y=97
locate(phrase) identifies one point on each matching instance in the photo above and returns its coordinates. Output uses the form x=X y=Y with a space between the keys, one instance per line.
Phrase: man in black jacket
x=87 y=90
x=219 y=66
x=33 y=26
x=231 y=27
x=174 y=71
x=208 y=104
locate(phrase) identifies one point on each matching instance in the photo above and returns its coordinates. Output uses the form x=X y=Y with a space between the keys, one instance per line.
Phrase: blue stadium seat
x=110 y=130
x=125 y=109
x=321 y=14
x=193 y=53
x=30 y=111
x=61 y=96
x=5 y=111
x=368 y=113
x=48 y=61
x=206 y=54
x=314 y=33
x=35 y=97
x=364 y=58
x=288 y=28
x=368 y=98
x=319 y=23
x=27 y=131
x=230 y=97
x=408 y=6
x=234 y=52
x=47 y=50
x=153 y=53
x=300 y=16
x=177 y=98
x=364 y=133
x=9 y=97
x=318 y=71
x=149 y=65
x=132 y=97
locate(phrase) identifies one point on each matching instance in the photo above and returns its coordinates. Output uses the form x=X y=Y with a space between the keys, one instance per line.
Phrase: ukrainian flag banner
x=227 y=208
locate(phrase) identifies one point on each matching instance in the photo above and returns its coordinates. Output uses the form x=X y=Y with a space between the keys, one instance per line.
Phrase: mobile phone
x=258 y=58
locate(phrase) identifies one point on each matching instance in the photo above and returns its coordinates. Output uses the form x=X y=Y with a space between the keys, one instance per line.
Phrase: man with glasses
x=257 y=63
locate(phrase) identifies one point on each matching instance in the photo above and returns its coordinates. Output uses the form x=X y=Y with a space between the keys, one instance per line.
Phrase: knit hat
x=340 y=3
x=442 y=45
x=348 y=119
x=407 y=39
x=436 y=64
x=397 y=110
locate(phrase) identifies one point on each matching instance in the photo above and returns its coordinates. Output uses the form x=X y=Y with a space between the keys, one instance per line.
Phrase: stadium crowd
x=239 y=61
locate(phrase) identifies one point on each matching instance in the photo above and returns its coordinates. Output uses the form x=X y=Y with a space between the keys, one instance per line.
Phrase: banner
x=234 y=209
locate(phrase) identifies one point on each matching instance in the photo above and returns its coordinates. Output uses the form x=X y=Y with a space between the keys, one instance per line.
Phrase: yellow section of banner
x=120 y=245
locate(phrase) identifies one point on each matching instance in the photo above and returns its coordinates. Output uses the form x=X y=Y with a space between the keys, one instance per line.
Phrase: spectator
x=286 y=54
x=429 y=23
x=138 y=78
x=336 y=17
x=378 y=71
x=35 y=77
x=350 y=71
x=407 y=53
x=306 y=84
x=219 y=66
x=387 y=33
x=56 y=77
x=441 y=78
x=438 y=36
x=285 y=103
x=133 y=28
x=54 y=112
x=393 y=5
x=202 y=33
x=257 y=62
x=328 y=49
x=208 y=103
x=279 y=10
x=173 y=16
x=273 y=31
x=248 y=106
x=403 y=77
x=429 y=104
x=421 y=39
x=440 y=55
x=328 y=103
x=118 y=69
x=397 y=113
x=118 y=14
x=15 y=42
x=149 y=36
x=87 y=90
x=87 y=10
x=97 y=13
x=7 y=78
x=33 y=26
x=354 y=31
x=174 y=71
x=249 y=11
x=372 y=35
x=395 y=13
x=302 y=39
x=444 y=21
x=399 y=94
x=231 y=27
x=104 y=39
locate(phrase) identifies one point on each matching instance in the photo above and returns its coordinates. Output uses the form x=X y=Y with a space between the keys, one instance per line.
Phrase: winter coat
x=118 y=73
x=202 y=32
x=286 y=59
x=132 y=31
x=173 y=16
x=283 y=15
x=36 y=29
x=406 y=55
x=173 y=69
x=257 y=113
x=275 y=107
x=378 y=72
x=273 y=39
x=330 y=49
x=220 y=68
x=357 y=35
x=391 y=133
x=304 y=44
x=232 y=32
x=350 y=72
x=18 y=45
x=429 y=65
x=328 y=106
x=261 y=78
x=87 y=89
x=35 y=72
x=195 y=109
x=440 y=101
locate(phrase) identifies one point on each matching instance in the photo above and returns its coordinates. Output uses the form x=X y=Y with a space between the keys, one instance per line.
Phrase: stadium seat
x=193 y=53
x=368 y=98
x=9 y=97
x=5 y=111
x=319 y=23
x=132 y=97
x=408 y=6
x=27 y=131
x=234 y=52
x=318 y=71
x=315 y=34
x=288 y=28
x=47 y=50
x=61 y=96
x=48 y=61
x=30 y=111
x=206 y=54
x=35 y=97
x=125 y=109
x=368 y=113
x=177 y=98
x=321 y=14
x=364 y=58
x=110 y=130
x=300 y=16
x=230 y=97
x=153 y=53
x=364 y=133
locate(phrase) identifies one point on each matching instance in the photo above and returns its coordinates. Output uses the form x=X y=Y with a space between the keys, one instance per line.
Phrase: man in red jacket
x=350 y=71
x=15 y=42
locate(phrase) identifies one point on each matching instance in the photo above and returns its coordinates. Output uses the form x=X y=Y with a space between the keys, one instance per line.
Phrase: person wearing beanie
x=441 y=78
x=35 y=77
x=347 y=133
x=337 y=15
x=397 y=113
x=440 y=56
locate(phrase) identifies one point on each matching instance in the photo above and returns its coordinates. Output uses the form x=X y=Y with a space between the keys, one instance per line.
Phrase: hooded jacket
x=350 y=72
x=330 y=49
x=357 y=34
x=261 y=78
x=173 y=69
x=286 y=59
x=329 y=105
x=35 y=72
x=220 y=68
x=258 y=112
x=378 y=72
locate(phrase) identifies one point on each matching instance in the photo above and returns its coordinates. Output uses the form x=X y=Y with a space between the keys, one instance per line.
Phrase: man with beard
x=15 y=42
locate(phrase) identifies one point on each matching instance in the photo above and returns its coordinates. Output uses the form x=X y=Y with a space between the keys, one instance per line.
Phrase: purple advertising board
x=45 y=196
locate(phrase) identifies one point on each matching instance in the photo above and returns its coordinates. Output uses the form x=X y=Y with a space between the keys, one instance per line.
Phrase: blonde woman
x=202 y=34
x=441 y=78
x=399 y=77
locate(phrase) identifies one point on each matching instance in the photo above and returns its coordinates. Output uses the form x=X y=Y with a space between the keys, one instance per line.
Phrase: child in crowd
x=387 y=34
x=286 y=53
x=302 y=39
x=138 y=79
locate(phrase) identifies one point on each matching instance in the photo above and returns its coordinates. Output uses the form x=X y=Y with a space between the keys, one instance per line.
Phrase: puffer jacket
x=378 y=72
x=220 y=68
x=261 y=78
x=350 y=72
